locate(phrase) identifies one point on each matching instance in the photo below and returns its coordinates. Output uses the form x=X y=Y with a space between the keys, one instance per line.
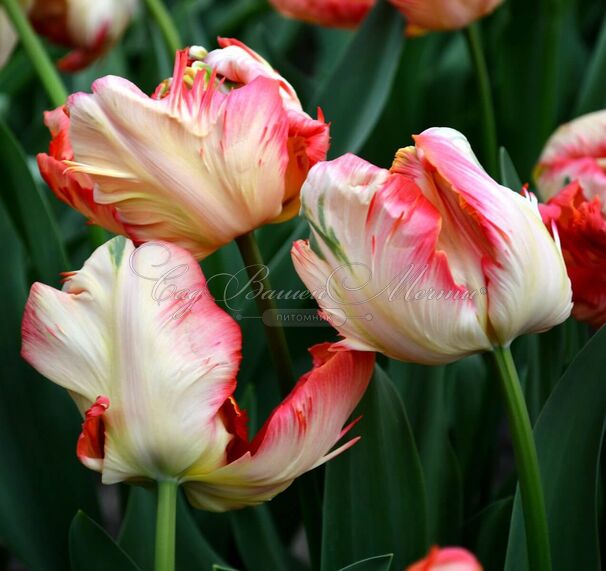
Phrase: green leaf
x=257 y=539
x=569 y=435
x=487 y=533
x=29 y=211
x=509 y=174
x=374 y=497
x=92 y=549
x=353 y=96
x=592 y=96
x=222 y=568
x=380 y=563
x=423 y=391
x=42 y=484
x=139 y=528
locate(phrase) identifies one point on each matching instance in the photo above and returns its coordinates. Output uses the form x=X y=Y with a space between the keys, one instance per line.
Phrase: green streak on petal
x=116 y=250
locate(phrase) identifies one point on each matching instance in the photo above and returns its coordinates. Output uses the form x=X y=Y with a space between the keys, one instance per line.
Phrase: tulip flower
x=575 y=152
x=438 y=15
x=334 y=13
x=89 y=27
x=429 y=261
x=219 y=150
x=421 y=15
x=151 y=361
x=447 y=559
x=581 y=226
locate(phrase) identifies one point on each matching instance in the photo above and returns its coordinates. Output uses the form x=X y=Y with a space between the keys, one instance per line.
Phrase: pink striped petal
x=297 y=437
x=75 y=189
x=492 y=236
x=374 y=247
x=206 y=168
x=575 y=152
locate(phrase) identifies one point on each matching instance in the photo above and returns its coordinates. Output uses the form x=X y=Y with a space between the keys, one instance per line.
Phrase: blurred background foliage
x=434 y=464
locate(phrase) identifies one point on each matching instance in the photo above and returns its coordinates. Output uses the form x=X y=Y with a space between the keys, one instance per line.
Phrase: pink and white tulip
x=447 y=559
x=431 y=260
x=89 y=27
x=576 y=152
x=439 y=15
x=151 y=362
x=219 y=150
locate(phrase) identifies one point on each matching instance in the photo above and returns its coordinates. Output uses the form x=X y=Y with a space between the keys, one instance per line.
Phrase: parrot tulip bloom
x=575 y=152
x=90 y=28
x=421 y=15
x=439 y=15
x=581 y=226
x=218 y=151
x=429 y=261
x=334 y=13
x=447 y=559
x=151 y=363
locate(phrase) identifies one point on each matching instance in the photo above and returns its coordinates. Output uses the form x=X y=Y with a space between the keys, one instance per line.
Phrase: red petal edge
x=91 y=443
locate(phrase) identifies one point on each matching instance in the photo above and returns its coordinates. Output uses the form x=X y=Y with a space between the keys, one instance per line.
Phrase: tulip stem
x=274 y=332
x=476 y=52
x=171 y=36
x=42 y=63
x=527 y=463
x=165 y=525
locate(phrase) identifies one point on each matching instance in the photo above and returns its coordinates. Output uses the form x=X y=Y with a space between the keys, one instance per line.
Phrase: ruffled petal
x=91 y=443
x=580 y=226
x=75 y=189
x=375 y=268
x=502 y=231
x=236 y=62
x=297 y=437
x=308 y=139
x=207 y=168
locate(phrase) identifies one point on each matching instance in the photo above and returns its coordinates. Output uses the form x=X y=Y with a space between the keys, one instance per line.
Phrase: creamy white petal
x=138 y=327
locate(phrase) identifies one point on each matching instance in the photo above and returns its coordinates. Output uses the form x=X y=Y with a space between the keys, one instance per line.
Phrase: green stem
x=527 y=464
x=276 y=339
x=489 y=128
x=37 y=54
x=171 y=36
x=165 y=525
